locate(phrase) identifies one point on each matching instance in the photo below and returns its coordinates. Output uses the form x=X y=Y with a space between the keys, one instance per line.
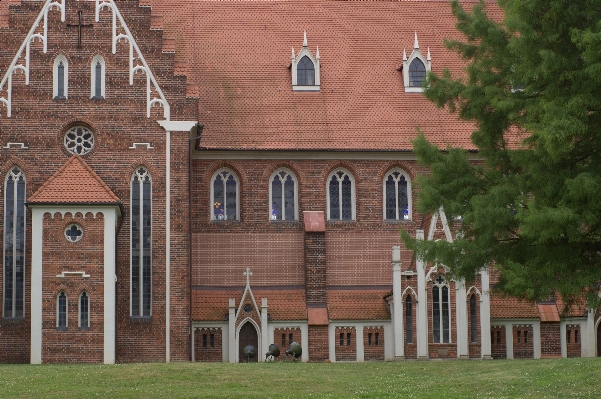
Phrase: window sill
x=84 y=328
x=225 y=221
x=141 y=319
x=305 y=88
x=397 y=221
x=96 y=98
x=13 y=320
x=61 y=98
x=340 y=221
x=61 y=328
x=414 y=89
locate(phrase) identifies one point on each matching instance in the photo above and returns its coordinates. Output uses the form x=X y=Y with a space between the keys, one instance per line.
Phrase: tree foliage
x=532 y=206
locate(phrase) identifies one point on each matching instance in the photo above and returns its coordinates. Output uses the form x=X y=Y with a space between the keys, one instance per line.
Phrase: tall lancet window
x=224 y=194
x=441 y=311
x=141 y=243
x=283 y=196
x=14 y=244
x=84 y=311
x=61 y=78
x=341 y=196
x=97 y=91
x=397 y=196
x=61 y=311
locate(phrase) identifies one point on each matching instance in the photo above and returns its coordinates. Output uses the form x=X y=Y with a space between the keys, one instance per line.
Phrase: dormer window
x=61 y=78
x=305 y=69
x=415 y=68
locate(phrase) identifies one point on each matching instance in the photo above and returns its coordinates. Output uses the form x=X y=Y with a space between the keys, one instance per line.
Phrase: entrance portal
x=248 y=336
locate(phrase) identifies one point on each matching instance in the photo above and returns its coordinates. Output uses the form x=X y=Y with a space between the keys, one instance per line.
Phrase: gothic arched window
x=61 y=77
x=473 y=319
x=61 y=311
x=341 y=196
x=305 y=72
x=14 y=244
x=224 y=196
x=141 y=243
x=441 y=311
x=397 y=195
x=409 y=319
x=283 y=196
x=97 y=78
x=417 y=73
x=84 y=311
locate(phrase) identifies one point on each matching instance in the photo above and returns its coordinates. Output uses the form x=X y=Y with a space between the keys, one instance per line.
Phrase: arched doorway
x=248 y=336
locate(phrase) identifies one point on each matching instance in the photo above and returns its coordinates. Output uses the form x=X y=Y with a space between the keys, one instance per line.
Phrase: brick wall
x=208 y=345
x=498 y=342
x=283 y=337
x=373 y=343
x=117 y=122
x=59 y=255
x=523 y=342
x=315 y=268
x=550 y=342
x=573 y=340
x=346 y=344
x=318 y=343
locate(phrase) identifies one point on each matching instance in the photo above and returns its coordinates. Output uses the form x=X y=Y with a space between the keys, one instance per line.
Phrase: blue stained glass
x=289 y=204
x=334 y=198
x=276 y=198
x=347 y=199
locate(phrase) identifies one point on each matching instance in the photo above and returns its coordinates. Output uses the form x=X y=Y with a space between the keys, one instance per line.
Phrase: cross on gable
x=79 y=26
x=248 y=273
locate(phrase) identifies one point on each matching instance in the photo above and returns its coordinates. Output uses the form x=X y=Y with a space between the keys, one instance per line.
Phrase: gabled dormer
x=305 y=69
x=415 y=68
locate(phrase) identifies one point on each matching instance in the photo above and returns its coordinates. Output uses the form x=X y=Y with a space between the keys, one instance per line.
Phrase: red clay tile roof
x=74 y=182
x=502 y=307
x=238 y=53
x=317 y=316
x=548 y=312
x=212 y=305
x=314 y=221
x=357 y=305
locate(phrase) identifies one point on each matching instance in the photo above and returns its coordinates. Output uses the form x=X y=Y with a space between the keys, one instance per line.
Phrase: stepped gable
x=241 y=53
x=74 y=182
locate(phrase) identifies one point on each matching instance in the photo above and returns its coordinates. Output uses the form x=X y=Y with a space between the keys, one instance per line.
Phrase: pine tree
x=532 y=206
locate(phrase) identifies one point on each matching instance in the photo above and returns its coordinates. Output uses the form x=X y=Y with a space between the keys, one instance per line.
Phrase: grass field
x=561 y=378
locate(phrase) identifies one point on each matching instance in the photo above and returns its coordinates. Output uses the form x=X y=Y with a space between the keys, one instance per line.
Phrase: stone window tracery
x=79 y=140
x=341 y=196
x=224 y=196
x=141 y=243
x=441 y=311
x=73 y=232
x=283 y=191
x=397 y=195
x=14 y=244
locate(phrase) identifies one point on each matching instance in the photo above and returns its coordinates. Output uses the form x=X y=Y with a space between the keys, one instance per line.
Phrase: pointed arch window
x=305 y=69
x=473 y=319
x=97 y=90
x=415 y=68
x=409 y=319
x=61 y=78
x=341 y=196
x=84 y=311
x=306 y=72
x=225 y=193
x=283 y=191
x=441 y=311
x=61 y=311
x=141 y=243
x=14 y=244
x=417 y=73
x=397 y=195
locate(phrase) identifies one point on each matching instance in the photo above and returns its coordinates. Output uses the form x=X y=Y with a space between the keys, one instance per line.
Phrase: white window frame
x=98 y=58
x=79 y=309
x=22 y=175
x=295 y=180
x=440 y=286
x=141 y=303
x=399 y=215
x=57 y=61
x=295 y=59
x=237 y=179
x=353 y=195
x=66 y=309
x=416 y=53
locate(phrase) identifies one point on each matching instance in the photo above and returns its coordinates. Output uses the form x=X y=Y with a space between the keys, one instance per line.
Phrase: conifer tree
x=532 y=206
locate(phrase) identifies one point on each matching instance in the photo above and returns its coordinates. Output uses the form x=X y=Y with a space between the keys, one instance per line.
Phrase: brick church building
x=186 y=178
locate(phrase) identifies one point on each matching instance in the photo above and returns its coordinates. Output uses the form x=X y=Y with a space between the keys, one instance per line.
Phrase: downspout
x=199 y=131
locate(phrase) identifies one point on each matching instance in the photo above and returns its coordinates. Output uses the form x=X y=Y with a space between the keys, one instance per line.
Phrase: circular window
x=79 y=140
x=248 y=308
x=73 y=232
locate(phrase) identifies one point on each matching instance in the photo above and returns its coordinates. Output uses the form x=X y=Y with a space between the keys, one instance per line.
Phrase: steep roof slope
x=238 y=52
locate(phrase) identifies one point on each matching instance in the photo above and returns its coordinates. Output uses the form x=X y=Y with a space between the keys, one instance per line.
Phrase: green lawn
x=560 y=378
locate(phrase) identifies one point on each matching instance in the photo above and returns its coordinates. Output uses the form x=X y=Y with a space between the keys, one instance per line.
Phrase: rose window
x=73 y=232
x=79 y=140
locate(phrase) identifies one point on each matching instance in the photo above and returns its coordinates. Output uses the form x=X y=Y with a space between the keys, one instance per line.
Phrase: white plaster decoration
x=508 y=340
x=73 y=274
x=360 y=348
x=94 y=79
x=16 y=146
x=415 y=54
x=154 y=94
x=30 y=38
x=589 y=331
x=536 y=339
x=410 y=291
x=296 y=59
x=142 y=145
x=474 y=290
x=332 y=342
x=79 y=140
x=395 y=176
x=110 y=223
x=60 y=60
x=232 y=331
x=37 y=230
x=422 y=305
x=485 y=348
x=264 y=330
x=397 y=297
x=461 y=320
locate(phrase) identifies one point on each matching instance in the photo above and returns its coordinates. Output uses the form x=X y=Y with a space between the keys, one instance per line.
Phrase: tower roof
x=74 y=183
